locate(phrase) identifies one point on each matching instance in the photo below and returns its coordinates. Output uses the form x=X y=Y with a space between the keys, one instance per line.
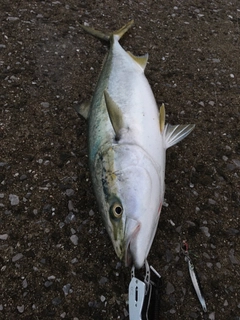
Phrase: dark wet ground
x=56 y=259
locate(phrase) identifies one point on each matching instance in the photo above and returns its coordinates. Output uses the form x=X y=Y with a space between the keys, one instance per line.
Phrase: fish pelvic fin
x=83 y=109
x=108 y=36
x=115 y=114
x=174 y=134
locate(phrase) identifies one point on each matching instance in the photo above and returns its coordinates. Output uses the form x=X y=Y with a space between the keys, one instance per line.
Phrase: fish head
x=132 y=190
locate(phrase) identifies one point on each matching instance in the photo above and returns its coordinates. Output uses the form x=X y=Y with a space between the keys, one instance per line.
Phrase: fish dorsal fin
x=115 y=114
x=174 y=134
x=141 y=61
x=83 y=108
x=162 y=117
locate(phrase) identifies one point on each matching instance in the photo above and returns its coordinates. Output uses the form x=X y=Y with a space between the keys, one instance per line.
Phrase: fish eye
x=116 y=210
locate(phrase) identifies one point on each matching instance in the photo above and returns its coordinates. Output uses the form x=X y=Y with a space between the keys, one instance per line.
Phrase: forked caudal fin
x=107 y=36
x=173 y=134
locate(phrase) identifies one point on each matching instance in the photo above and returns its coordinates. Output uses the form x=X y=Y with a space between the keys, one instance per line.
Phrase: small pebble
x=102 y=298
x=63 y=315
x=74 y=260
x=103 y=280
x=225 y=303
x=126 y=314
x=14 y=199
x=193 y=315
x=45 y=104
x=232 y=257
x=48 y=284
x=73 y=231
x=205 y=231
x=17 y=257
x=169 y=288
x=172 y=311
x=61 y=224
x=20 y=309
x=70 y=218
x=70 y=205
x=1 y=307
x=23 y=177
x=91 y=213
x=24 y=283
x=3 y=236
x=211 y=201
x=212 y=316
x=56 y=301
x=12 y=19
x=74 y=239
x=66 y=289
x=236 y=162
x=69 y=192
x=206 y=255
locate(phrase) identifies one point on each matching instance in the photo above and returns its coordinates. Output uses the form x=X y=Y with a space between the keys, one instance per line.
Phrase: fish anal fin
x=141 y=60
x=115 y=114
x=174 y=134
x=162 y=117
x=83 y=108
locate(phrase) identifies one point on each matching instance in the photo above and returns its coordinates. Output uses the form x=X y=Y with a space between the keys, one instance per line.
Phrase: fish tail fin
x=107 y=36
x=119 y=33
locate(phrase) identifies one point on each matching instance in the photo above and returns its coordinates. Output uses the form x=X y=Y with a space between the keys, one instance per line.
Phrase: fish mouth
x=134 y=226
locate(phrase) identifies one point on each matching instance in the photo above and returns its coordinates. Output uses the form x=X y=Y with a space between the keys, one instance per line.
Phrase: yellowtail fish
x=127 y=141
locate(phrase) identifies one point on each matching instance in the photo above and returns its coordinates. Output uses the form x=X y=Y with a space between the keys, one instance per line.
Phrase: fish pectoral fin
x=174 y=134
x=162 y=117
x=83 y=108
x=141 y=60
x=115 y=113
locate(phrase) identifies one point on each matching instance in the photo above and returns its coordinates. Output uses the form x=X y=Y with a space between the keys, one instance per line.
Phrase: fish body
x=127 y=143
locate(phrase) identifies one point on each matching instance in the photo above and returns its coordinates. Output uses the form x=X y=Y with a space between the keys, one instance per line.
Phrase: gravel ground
x=56 y=259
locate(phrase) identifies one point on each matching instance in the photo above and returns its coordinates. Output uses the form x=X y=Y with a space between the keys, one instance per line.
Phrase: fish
x=127 y=143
